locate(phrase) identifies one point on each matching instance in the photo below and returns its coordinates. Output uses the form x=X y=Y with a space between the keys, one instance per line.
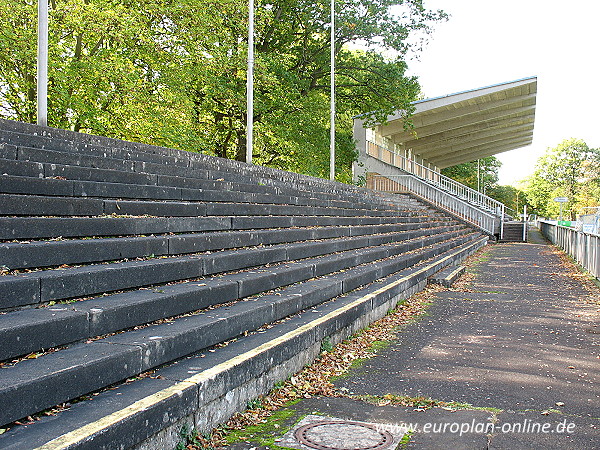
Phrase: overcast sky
x=487 y=42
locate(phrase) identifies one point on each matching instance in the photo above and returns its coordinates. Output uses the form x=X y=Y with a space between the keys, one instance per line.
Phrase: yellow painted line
x=451 y=274
x=92 y=428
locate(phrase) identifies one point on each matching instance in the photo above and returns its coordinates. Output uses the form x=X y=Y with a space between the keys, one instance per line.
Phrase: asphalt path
x=521 y=337
x=516 y=343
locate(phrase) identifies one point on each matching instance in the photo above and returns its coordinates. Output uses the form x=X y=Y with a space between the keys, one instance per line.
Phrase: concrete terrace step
x=30 y=205
x=68 y=188
x=196 y=160
x=30 y=135
x=23 y=255
x=12 y=228
x=115 y=151
x=47 y=163
x=65 y=283
x=33 y=329
x=118 y=150
x=63 y=188
x=446 y=277
x=109 y=183
x=82 y=368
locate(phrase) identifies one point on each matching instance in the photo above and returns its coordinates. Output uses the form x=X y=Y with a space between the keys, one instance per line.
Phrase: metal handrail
x=441 y=198
x=583 y=247
x=434 y=177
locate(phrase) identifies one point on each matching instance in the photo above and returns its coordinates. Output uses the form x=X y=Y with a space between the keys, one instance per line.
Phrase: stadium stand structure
x=145 y=289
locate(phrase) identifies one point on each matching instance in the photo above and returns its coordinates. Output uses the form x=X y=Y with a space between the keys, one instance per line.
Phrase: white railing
x=581 y=246
x=487 y=221
x=589 y=222
x=434 y=177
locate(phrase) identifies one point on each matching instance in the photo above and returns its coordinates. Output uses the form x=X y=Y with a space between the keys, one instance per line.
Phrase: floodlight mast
x=42 y=64
x=250 y=85
x=332 y=97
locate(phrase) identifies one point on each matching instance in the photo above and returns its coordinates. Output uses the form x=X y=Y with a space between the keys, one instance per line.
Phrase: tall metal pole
x=250 y=85
x=332 y=98
x=42 y=64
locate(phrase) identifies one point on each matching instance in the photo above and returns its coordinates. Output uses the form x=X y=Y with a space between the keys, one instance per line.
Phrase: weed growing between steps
x=266 y=431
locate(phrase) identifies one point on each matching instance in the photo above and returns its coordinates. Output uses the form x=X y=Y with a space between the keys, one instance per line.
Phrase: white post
x=42 y=64
x=250 y=85
x=524 y=223
x=502 y=223
x=332 y=97
x=560 y=213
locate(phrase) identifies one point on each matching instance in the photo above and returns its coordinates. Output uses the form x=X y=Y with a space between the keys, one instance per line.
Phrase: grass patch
x=379 y=345
x=420 y=402
x=270 y=429
x=406 y=439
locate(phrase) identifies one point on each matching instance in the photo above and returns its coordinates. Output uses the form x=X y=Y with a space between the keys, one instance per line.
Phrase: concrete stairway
x=513 y=232
x=144 y=288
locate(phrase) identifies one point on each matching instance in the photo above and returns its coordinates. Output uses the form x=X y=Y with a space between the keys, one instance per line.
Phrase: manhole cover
x=342 y=435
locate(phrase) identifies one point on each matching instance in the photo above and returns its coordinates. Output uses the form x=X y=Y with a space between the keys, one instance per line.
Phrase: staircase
x=146 y=289
x=515 y=232
x=430 y=185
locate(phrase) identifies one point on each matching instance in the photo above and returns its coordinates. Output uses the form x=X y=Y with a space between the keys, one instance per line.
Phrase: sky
x=488 y=42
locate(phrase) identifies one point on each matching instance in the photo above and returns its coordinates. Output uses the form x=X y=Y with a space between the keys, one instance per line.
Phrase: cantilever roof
x=469 y=125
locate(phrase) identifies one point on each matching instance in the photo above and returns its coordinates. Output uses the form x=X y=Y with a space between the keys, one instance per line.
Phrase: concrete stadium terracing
x=145 y=288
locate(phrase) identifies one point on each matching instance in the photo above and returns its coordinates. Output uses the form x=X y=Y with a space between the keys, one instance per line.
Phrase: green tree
x=173 y=73
x=292 y=79
x=572 y=170
x=482 y=174
x=17 y=60
x=512 y=197
x=106 y=68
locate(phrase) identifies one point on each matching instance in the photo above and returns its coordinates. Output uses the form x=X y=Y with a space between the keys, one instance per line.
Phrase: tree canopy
x=174 y=73
x=572 y=170
x=483 y=175
x=480 y=174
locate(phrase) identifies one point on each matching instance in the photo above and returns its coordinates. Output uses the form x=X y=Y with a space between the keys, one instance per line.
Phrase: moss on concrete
x=267 y=432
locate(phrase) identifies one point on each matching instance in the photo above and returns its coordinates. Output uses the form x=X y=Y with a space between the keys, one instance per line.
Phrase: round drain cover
x=342 y=435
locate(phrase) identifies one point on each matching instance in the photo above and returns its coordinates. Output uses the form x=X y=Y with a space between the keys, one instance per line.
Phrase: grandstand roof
x=468 y=125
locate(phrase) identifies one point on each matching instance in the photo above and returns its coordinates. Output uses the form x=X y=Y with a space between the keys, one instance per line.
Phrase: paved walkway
x=520 y=342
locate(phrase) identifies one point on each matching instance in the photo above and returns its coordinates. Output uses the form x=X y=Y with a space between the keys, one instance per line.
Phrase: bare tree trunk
x=240 y=153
